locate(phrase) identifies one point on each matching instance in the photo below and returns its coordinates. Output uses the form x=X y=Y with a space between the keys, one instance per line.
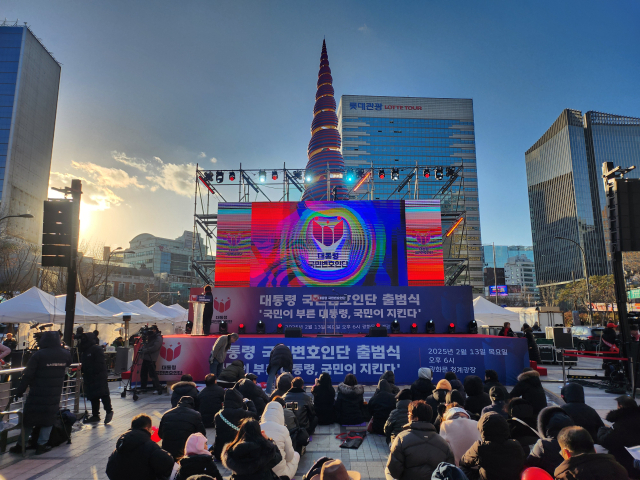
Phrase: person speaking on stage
x=219 y=352
x=207 y=313
x=280 y=358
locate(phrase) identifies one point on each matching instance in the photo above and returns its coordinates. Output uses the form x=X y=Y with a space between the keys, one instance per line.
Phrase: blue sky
x=149 y=88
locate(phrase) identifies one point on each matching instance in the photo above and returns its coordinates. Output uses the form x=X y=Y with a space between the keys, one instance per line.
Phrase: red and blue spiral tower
x=324 y=146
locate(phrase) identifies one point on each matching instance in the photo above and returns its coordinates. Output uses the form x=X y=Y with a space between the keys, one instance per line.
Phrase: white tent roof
x=184 y=313
x=118 y=307
x=34 y=304
x=162 y=309
x=490 y=314
x=144 y=311
x=86 y=310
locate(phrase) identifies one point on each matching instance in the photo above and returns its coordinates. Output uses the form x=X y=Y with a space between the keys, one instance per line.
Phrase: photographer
x=94 y=373
x=44 y=376
x=150 y=350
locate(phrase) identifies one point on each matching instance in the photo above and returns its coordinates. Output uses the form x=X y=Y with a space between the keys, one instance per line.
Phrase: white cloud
x=108 y=177
x=202 y=155
x=96 y=197
x=364 y=28
x=214 y=160
x=177 y=178
x=138 y=163
x=159 y=160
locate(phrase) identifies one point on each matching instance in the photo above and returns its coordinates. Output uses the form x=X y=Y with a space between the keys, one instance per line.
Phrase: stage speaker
x=378 y=332
x=293 y=332
x=546 y=353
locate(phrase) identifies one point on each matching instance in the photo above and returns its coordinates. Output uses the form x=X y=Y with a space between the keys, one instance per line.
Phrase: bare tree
x=18 y=266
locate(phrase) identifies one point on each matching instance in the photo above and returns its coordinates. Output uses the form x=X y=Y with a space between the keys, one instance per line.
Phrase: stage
x=367 y=357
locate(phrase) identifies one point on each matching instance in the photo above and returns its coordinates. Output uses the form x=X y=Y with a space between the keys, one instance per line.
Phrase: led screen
x=342 y=243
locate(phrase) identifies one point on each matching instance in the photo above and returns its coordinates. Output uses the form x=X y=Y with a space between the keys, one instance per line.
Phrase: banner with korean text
x=367 y=357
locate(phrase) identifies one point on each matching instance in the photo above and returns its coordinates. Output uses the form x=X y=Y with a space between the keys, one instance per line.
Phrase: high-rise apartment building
x=566 y=192
x=427 y=137
x=29 y=80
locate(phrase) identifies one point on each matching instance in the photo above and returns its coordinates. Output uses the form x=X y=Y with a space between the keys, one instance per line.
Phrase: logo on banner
x=422 y=239
x=330 y=236
x=220 y=305
x=170 y=353
x=233 y=240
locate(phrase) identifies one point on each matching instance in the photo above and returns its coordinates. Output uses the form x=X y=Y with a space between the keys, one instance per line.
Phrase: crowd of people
x=472 y=428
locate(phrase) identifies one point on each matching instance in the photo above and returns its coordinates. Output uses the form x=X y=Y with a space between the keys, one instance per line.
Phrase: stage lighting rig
x=280 y=329
x=451 y=328
x=260 y=327
x=451 y=171
x=381 y=173
x=439 y=175
x=473 y=327
x=426 y=172
x=395 y=326
x=232 y=176
x=308 y=178
x=297 y=174
x=219 y=176
x=414 y=328
x=242 y=329
x=207 y=176
x=262 y=176
x=360 y=172
x=395 y=174
x=223 y=328
x=274 y=175
x=431 y=327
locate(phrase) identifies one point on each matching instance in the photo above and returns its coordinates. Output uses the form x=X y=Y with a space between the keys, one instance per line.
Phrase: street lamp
x=22 y=215
x=106 y=277
x=586 y=274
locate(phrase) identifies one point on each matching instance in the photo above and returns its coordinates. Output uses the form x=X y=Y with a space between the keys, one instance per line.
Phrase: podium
x=198 y=309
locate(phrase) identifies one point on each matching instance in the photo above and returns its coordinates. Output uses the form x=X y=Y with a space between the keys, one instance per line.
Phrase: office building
x=29 y=80
x=428 y=139
x=520 y=271
x=566 y=192
x=504 y=253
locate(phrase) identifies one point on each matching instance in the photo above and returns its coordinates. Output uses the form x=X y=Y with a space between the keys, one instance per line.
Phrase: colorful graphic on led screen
x=339 y=243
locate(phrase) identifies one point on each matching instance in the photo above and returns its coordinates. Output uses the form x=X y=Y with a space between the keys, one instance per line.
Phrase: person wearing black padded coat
x=283 y=385
x=398 y=417
x=185 y=388
x=44 y=376
x=545 y=454
x=251 y=390
x=302 y=405
x=210 y=398
x=582 y=414
x=350 y=408
x=625 y=432
x=232 y=373
x=197 y=460
x=455 y=383
x=496 y=456
x=438 y=397
x=137 y=457
x=491 y=380
x=477 y=399
x=280 y=358
x=534 y=351
x=94 y=377
x=324 y=399
x=529 y=387
x=521 y=421
x=227 y=420
x=251 y=455
x=423 y=386
x=390 y=377
x=177 y=424
x=381 y=405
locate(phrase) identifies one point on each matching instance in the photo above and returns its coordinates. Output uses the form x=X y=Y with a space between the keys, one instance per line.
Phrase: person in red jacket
x=506 y=331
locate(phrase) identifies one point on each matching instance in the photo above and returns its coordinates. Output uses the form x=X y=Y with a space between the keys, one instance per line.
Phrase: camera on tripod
x=146 y=332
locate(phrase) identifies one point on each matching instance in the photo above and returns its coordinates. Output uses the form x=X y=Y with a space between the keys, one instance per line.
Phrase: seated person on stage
x=211 y=398
x=137 y=456
x=250 y=389
x=381 y=405
x=350 y=406
x=232 y=373
x=185 y=388
x=177 y=424
x=324 y=399
x=197 y=460
x=227 y=420
x=302 y=405
x=283 y=385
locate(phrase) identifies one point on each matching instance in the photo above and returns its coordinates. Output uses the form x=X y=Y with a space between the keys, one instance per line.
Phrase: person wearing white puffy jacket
x=272 y=424
x=459 y=431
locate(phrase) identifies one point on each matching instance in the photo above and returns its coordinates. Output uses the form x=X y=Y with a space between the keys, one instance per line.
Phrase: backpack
x=61 y=431
x=316 y=468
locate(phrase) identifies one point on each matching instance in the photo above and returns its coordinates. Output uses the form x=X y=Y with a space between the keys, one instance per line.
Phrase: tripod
x=137 y=365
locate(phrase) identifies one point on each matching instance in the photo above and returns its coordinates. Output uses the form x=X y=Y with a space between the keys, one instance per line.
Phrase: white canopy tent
x=490 y=314
x=164 y=310
x=145 y=312
x=87 y=312
x=120 y=308
x=178 y=315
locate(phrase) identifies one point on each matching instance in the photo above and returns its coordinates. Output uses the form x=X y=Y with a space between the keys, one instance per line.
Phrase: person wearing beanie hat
x=335 y=470
x=423 y=386
x=459 y=431
x=439 y=396
x=497 y=402
x=197 y=459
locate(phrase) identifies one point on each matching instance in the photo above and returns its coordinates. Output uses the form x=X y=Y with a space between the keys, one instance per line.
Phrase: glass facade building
x=566 y=192
x=29 y=80
x=504 y=253
x=419 y=136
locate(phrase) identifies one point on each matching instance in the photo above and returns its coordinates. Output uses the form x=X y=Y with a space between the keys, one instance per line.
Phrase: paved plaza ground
x=86 y=458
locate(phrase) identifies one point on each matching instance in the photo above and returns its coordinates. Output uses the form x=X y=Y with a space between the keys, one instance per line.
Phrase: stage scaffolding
x=285 y=184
